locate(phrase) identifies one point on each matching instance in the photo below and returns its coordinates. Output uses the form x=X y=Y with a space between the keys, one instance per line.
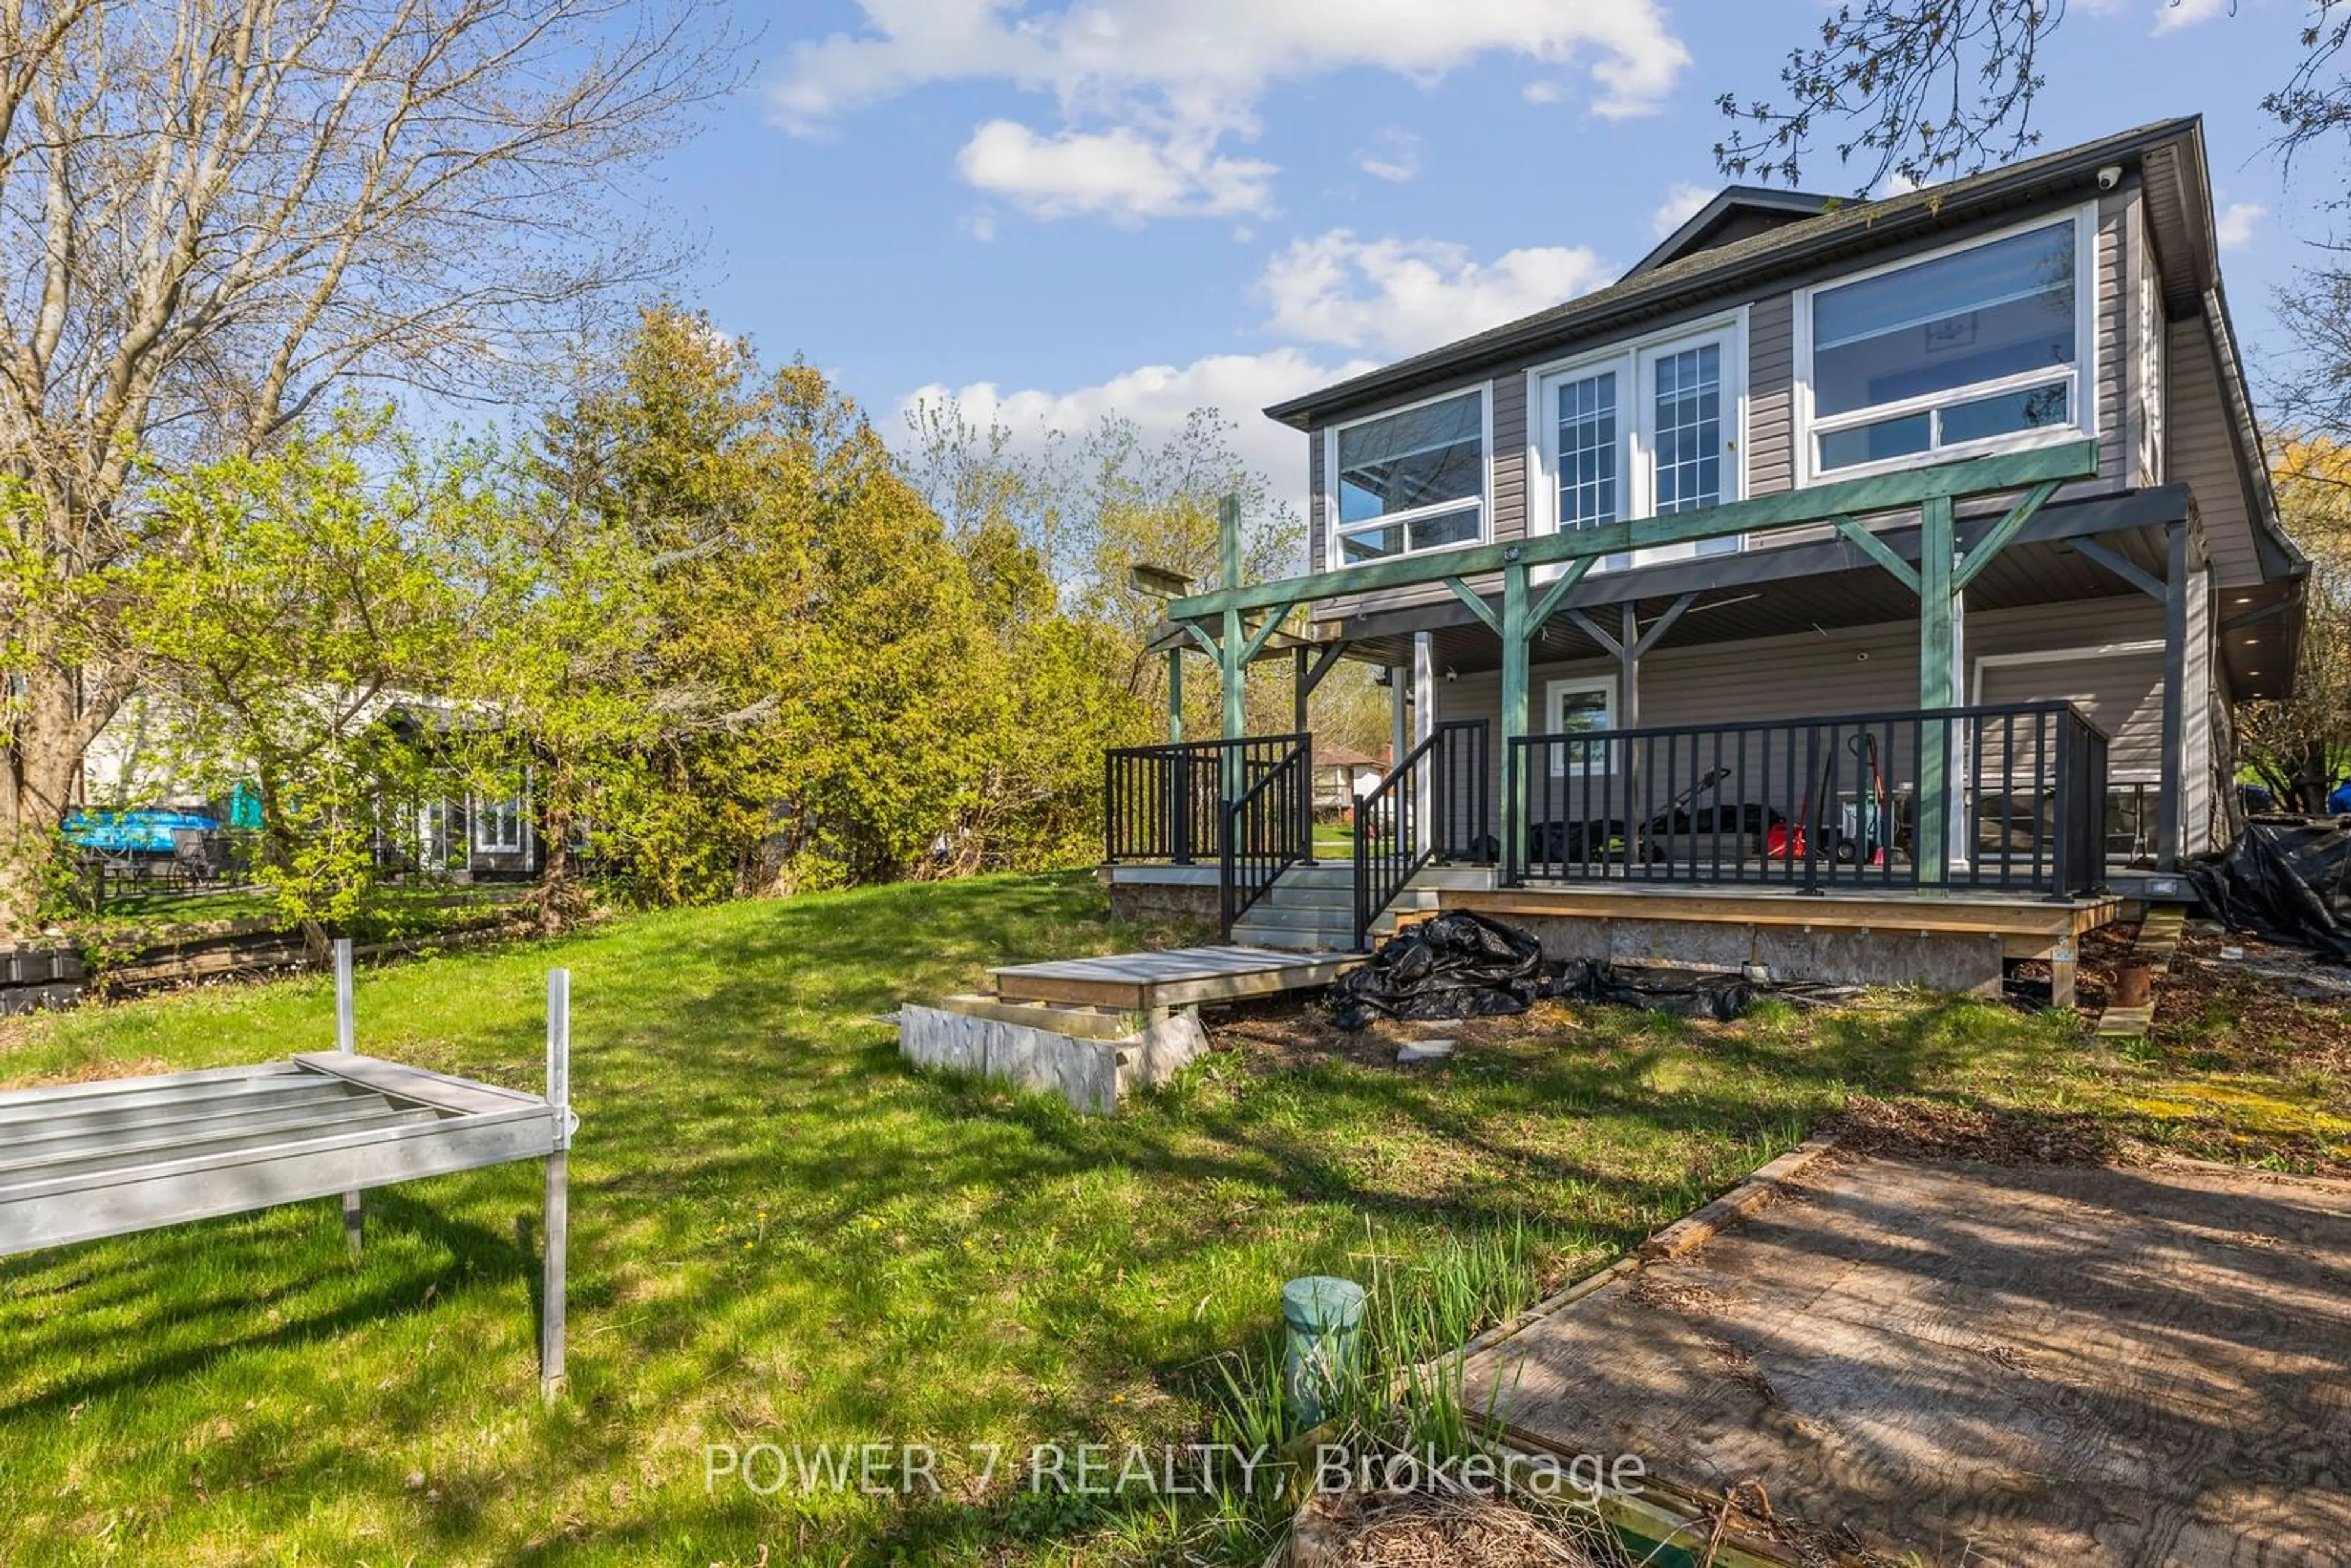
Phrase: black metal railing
x=1453 y=767
x=1815 y=803
x=1268 y=830
x=1166 y=803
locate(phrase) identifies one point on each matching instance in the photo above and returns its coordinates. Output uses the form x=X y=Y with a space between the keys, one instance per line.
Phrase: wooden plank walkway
x=1970 y=1362
x=1180 y=976
x=2157 y=944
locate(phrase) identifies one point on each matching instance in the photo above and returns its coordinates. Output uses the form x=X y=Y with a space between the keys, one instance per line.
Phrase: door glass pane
x=1421 y=457
x=1992 y=311
x=1587 y=452
x=1688 y=429
x=1580 y=710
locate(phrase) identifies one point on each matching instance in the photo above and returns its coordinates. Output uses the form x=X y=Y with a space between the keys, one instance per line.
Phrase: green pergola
x=1220 y=620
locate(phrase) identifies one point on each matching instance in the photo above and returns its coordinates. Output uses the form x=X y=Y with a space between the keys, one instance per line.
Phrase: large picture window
x=1972 y=349
x=1648 y=431
x=1410 y=481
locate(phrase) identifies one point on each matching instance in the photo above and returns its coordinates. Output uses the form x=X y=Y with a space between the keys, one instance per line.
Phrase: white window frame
x=1553 y=691
x=478 y=813
x=1632 y=359
x=1332 y=560
x=2083 y=391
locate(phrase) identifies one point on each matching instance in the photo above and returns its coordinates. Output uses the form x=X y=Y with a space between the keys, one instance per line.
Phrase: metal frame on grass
x=79 y=1162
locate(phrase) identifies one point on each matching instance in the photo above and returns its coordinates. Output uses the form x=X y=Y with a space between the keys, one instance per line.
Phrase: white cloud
x=1682 y=202
x=2235 y=224
x=1394 y=156
x=1397 y=296
x=1186 y=74
x=1544 y=92
x=2179 y=13
x=1116 y=173
x=1897 y=184
x=1159 y=398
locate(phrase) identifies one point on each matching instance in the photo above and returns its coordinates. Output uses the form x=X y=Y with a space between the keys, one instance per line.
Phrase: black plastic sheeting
x=1464 y=965
x=1692 y=993
x=2290 y=882
x=1458 y=966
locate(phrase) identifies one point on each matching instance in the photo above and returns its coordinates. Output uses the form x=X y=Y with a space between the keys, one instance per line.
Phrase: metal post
x=347 y=1043
x=1628 y=716
x=1300 y=690
x=2168 y=815
x=1175 y=696
x=559 y=1216
x=1936 y=539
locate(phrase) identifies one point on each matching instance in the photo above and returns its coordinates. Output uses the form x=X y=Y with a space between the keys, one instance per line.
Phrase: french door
x=1645 y=433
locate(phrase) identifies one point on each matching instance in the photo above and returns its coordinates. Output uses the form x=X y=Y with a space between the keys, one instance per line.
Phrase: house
x=1342 y=775
x=1860 y=588
x=444 y=826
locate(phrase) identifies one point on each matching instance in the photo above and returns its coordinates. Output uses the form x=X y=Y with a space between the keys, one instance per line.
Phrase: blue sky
x=1147 y=205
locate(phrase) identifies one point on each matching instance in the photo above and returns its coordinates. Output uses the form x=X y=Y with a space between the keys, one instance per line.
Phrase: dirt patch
x=2279 y=1009
x=1914 y=1130
x=1429 y=1529
x=1280 y=1034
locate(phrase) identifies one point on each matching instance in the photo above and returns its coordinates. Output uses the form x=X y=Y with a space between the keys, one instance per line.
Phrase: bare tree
x=218 y=210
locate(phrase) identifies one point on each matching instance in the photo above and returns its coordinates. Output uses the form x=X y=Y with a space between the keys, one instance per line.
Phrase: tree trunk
x=559 y=897
x=35 y=792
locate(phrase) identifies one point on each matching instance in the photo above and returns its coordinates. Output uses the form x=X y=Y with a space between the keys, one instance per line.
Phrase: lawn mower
x=1860 y=832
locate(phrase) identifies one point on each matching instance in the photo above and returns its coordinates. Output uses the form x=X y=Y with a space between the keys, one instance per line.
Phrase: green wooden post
x=1175 y=696
x=1937 y=542
x=1516 y=634
x=1228 y=647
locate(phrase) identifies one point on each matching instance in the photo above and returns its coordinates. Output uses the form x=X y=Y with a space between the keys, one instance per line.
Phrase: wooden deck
x=1969 y=1363
x=1180 y=976
x=2029 y=925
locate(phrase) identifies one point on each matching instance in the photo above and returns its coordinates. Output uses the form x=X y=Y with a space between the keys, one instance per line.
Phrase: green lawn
x=780 y=1235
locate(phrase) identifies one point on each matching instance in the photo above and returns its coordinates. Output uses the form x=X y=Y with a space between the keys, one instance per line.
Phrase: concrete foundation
x=1938 y=960
x=1147 y=893
x=1092 y=1074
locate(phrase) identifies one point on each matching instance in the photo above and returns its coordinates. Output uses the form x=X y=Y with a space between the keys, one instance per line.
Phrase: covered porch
x=1880 y=759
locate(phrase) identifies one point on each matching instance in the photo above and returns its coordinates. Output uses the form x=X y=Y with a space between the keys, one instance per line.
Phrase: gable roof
x=1691 y=279
x=1754 y=206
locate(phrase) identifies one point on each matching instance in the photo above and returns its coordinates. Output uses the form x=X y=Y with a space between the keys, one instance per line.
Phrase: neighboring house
x=1342 y=774
x=1917 y=549
x=455 y=831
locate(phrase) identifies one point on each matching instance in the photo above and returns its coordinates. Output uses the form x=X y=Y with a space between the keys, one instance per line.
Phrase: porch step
x=1290 y=938
x=1312 y=908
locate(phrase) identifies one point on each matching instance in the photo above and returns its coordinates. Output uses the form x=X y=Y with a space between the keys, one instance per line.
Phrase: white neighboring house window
x=1979 y=348
x=497 y=826
x=1645 y=429
x=1409 y=480
x=433 y=832
x=1580 y=705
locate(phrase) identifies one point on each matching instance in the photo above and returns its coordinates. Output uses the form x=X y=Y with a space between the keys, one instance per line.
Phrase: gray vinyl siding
x=2200 y=452
x=1770 y=445
x=1874 y=670
x=1508 y=458
x=1316 y=524
x=1770 y=442
x=2112 y=320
